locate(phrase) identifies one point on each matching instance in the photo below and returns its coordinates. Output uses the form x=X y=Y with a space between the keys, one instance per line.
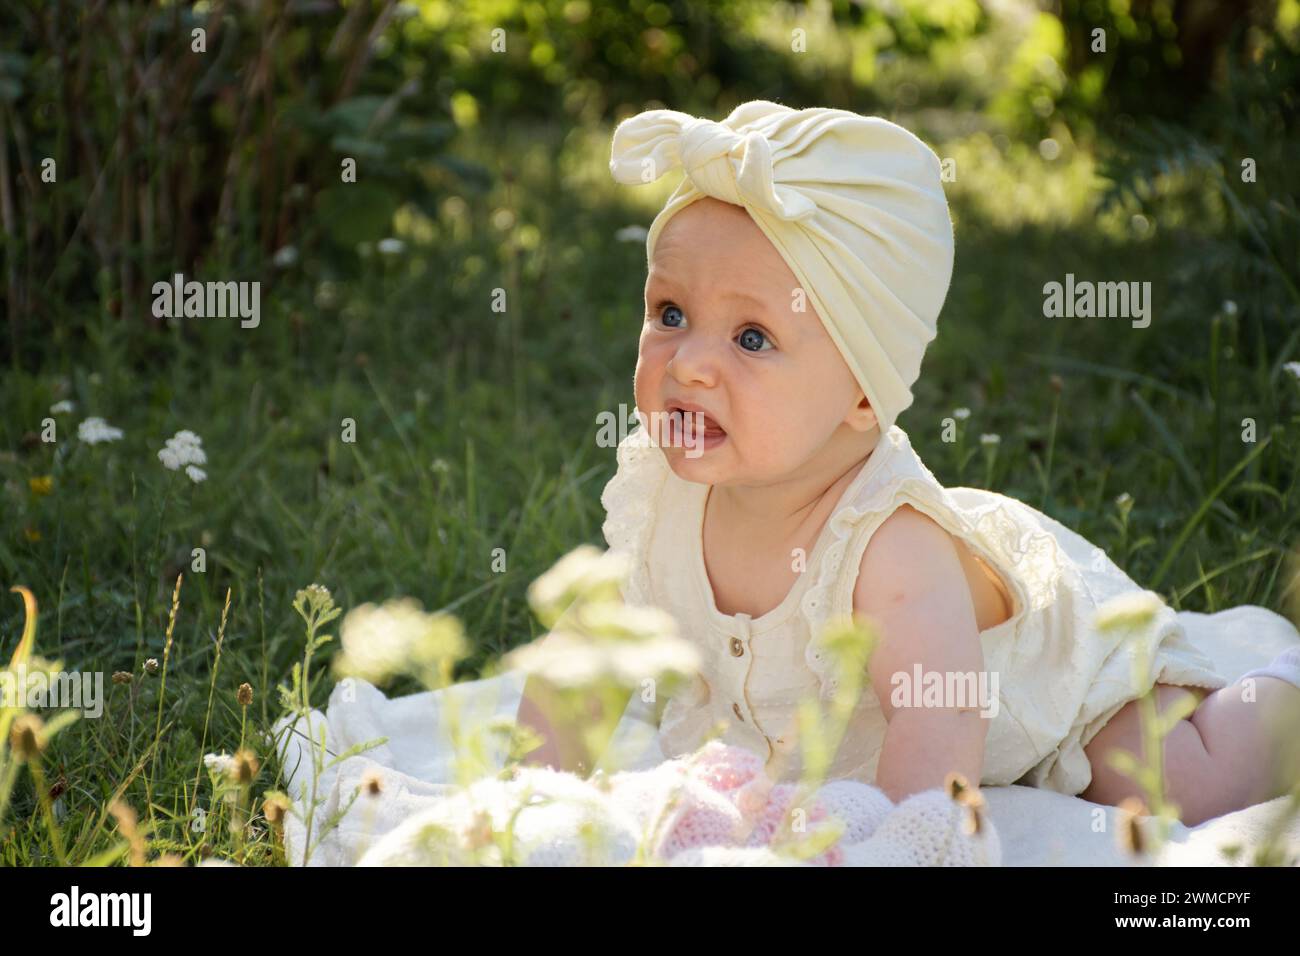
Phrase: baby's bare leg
x=1232 y=752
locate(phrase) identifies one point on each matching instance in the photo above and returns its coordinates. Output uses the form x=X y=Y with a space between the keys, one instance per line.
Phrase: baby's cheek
x=784 y=437
x=641 y=382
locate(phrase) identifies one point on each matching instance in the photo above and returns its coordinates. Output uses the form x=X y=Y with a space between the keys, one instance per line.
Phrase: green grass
x=475 y=431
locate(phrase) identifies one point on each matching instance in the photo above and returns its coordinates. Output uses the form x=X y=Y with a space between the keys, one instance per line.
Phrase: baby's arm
x=562 y=747
x=912 y=584
x=558 y=749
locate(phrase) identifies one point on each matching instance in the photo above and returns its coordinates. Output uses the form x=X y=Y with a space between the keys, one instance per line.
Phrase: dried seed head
x=125 y=816
x=969 y=799
x=245 y=766
x=1131 y=838
x=127 y=821
x=151 y=666
x=972 y=823
x=955 y=784
x=275 y=804
x=1056 y=383
x=27 y=737
x=372 y=783
x=121 y=677
x=244 y=695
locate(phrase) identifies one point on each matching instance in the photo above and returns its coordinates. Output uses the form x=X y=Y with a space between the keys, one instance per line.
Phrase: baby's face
x=723 y=333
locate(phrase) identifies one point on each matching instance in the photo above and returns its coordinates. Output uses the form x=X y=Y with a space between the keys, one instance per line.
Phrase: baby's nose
x=696 y=361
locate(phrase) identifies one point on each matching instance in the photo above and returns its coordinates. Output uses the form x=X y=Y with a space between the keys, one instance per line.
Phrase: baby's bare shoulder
x=912 y=585
x=909 y=556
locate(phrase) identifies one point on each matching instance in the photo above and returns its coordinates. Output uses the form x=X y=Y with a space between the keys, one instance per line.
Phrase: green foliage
x=1160 y=57
x=591 y=61
x=1228 y=171
x=201 y=154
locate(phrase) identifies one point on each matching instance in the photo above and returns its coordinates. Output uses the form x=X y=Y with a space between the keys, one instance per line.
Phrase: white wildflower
x=95 y=430
x=327 y=294
x=196 y=474
x=989 y=438
x=961 y=414
x=1229 y=307
x=61 y=408
x=221 y=763
x=390 y=247
x=632 y=234
x=285 y=257
x=1293 y=368
x=183 y=448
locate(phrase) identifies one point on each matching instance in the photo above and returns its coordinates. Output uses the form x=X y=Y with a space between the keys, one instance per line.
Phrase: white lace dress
x=1059 y=680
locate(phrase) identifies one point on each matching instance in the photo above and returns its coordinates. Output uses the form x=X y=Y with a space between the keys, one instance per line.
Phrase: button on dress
x=1059 y=679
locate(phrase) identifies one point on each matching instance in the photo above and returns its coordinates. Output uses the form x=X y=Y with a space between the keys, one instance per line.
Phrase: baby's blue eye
x=752 y=340
x=667 y=311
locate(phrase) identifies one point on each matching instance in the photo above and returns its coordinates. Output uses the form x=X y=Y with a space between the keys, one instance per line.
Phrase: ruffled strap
x=1028 y=556
x=630 y=500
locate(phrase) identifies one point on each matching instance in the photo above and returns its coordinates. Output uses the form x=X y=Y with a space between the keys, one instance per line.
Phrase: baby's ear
x=863 y=417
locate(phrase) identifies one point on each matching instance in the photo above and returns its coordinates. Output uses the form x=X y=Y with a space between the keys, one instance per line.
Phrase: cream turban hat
x=854 y=205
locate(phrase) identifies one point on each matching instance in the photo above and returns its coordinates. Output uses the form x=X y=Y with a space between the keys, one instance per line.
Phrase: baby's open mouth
x=691 y=427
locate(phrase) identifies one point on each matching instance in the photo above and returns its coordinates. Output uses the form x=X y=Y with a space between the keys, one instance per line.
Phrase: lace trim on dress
x=1030 y=554
x=630 y=500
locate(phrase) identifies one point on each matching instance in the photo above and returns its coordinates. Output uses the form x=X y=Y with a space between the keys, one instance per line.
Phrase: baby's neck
x=782 y=509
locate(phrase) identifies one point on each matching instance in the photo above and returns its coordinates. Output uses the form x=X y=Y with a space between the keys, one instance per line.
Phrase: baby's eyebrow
x=746 y=297
x=666 y=285
x=658 y=279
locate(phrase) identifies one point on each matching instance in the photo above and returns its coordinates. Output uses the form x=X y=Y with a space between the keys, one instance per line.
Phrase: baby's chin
x=702 y=465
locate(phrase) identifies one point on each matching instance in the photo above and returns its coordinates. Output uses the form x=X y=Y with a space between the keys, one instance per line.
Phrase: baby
x=795 y=280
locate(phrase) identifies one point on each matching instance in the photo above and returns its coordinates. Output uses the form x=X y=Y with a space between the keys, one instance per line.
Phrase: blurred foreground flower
x=593 y=635
x=95 y=430
x=1135 y=616
x=625 y=645
x=597 y=652
x=400 y=637
x=1128 y=611
x=585 y=572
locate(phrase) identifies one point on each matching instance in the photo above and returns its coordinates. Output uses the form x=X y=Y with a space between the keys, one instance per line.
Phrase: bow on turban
x=854 y=205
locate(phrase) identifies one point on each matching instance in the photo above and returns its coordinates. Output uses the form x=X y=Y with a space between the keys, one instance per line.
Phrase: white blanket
x=416 y=767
